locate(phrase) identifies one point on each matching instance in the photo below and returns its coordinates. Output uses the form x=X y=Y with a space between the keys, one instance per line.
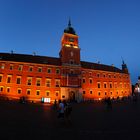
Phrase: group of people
x=64 y=110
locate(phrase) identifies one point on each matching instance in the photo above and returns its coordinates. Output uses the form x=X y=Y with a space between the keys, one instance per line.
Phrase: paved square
x=89 y=121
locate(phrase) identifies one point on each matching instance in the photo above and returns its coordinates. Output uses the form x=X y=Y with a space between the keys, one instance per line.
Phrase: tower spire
x=69 y=24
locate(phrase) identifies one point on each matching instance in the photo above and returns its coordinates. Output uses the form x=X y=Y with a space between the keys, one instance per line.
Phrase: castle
x=43 y=78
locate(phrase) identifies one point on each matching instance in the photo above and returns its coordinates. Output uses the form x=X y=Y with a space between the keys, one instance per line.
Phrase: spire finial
x=122 y=60
x=69 y=24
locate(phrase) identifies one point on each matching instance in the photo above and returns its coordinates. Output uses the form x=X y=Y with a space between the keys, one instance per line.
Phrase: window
x=48 y=82
x=105 y=93
x=57 y=71
x=8 y=89
x=120 y=85
x=20 y=67
x=111 y=93
x=47 y=93
x=57 y=83
x=38 y=92
x=90 y=91
x=19 y=91
x=56 y=93
x=99 y=85
x=39 y=69
x=49 y=70
x=28 y=91
x=2 y=66
x=90 y=73
x=84 y=92
x=38 y=81
x=18 y=80
x=30 y=68
x=110 y=85
x=29 y=80
x=115 y=85
x=98 y=75
x=84 y=80
x=105 y=85
x=99 y=93
x=71 y=61
x=1 y=78
x=1 y=88
x=9 y=78
x=90 y=81
x=11 y=67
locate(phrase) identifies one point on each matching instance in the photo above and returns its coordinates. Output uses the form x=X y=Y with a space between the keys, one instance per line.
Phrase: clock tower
x=71 y=66
x=70 y=51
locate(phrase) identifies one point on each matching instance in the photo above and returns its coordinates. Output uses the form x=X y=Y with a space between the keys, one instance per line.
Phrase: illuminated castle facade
x=67 y=77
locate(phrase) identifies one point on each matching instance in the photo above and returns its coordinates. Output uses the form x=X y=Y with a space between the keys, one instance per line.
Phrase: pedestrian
x=61 y=109
x=55 y=105
x=67 y=112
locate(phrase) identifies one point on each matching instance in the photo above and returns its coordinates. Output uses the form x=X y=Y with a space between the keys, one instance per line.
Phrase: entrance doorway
x=72 y=96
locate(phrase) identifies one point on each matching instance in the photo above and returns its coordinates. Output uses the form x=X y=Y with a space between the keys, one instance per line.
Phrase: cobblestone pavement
x=89 y=121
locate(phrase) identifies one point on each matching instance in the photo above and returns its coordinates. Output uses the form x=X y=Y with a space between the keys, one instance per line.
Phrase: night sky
x=108 y=30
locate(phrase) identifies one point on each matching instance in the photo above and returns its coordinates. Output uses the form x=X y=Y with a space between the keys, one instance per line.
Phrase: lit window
x=90 y=81
x=11 y=67
x=105 y=85
x=8 y=89
x=29 y=80
x=47 y=93
x=84 y=80
x=9 y=77
x=99 y=85
x=18 y=80
x=38 y=81
x=49 y=70
x=1 y=88
x=84 y=92
x=110 y=85
x=20 y=67
x=57 y=83
x=48 y=82
x=19 y=91
x=56 y=93
x=39 y=69
x=71 y=61
x=30 y=68
x=28 y=91
x=2 y=66
x=38 y=92
x=1 y=76
x=57 y=71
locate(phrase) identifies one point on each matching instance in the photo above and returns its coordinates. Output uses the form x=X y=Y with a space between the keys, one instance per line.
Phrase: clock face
x=71 y=39
x=71 y=53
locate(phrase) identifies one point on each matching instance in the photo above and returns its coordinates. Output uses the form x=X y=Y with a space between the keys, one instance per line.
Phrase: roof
x=54 y=61
x=96 y=66
x=30 y=58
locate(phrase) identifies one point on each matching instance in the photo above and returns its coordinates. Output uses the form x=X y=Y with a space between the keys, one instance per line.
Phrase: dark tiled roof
x=30 y=58
x=96 y=66
x=53 y=61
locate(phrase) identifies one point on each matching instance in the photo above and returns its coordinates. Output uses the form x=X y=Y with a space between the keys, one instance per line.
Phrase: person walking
x=61 y=109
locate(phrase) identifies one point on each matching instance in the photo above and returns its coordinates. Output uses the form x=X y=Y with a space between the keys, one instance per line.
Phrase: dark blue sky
x=107 y=29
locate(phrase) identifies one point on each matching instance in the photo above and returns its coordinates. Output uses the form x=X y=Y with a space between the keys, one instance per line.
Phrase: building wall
x=101 y=84
x=117 y=84
x=36 y=92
